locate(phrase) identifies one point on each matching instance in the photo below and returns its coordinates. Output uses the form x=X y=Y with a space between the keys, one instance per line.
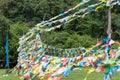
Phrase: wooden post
x=109 y=30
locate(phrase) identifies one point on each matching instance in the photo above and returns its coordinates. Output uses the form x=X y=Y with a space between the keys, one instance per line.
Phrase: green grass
x=80 y=75
x=75 y=75
x=11 y=76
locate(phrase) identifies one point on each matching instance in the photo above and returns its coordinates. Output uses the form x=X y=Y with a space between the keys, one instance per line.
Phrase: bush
x=65 y=40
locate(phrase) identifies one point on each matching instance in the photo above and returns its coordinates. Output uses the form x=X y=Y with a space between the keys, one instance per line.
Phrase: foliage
x=116 y=26
x=66 y=40
x=16 y=31
x=56 y=39
x=76 y=40
x=16 y=16
x=4 y=30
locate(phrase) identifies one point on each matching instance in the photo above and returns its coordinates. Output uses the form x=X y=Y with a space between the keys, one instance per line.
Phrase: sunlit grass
x=11 y=76
x=75 y=75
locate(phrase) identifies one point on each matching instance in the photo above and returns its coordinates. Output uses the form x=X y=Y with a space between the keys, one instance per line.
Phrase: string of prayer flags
x=39 y=59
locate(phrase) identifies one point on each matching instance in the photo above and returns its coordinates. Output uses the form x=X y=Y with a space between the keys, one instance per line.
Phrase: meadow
x=75 y=75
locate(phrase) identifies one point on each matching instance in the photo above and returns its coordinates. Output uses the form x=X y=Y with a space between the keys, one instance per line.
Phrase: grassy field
x=75 y=75
x=12 y=76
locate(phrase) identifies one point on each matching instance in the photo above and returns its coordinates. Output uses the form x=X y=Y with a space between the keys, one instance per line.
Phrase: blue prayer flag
x=7 y=51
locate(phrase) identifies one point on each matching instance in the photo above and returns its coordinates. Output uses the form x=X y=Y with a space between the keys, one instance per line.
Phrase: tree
x=116 y=26
x=16 y=31
x=4 y=30
x=79 y=32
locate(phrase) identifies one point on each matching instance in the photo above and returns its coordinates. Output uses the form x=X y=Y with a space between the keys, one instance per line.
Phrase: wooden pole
x=109 y=30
